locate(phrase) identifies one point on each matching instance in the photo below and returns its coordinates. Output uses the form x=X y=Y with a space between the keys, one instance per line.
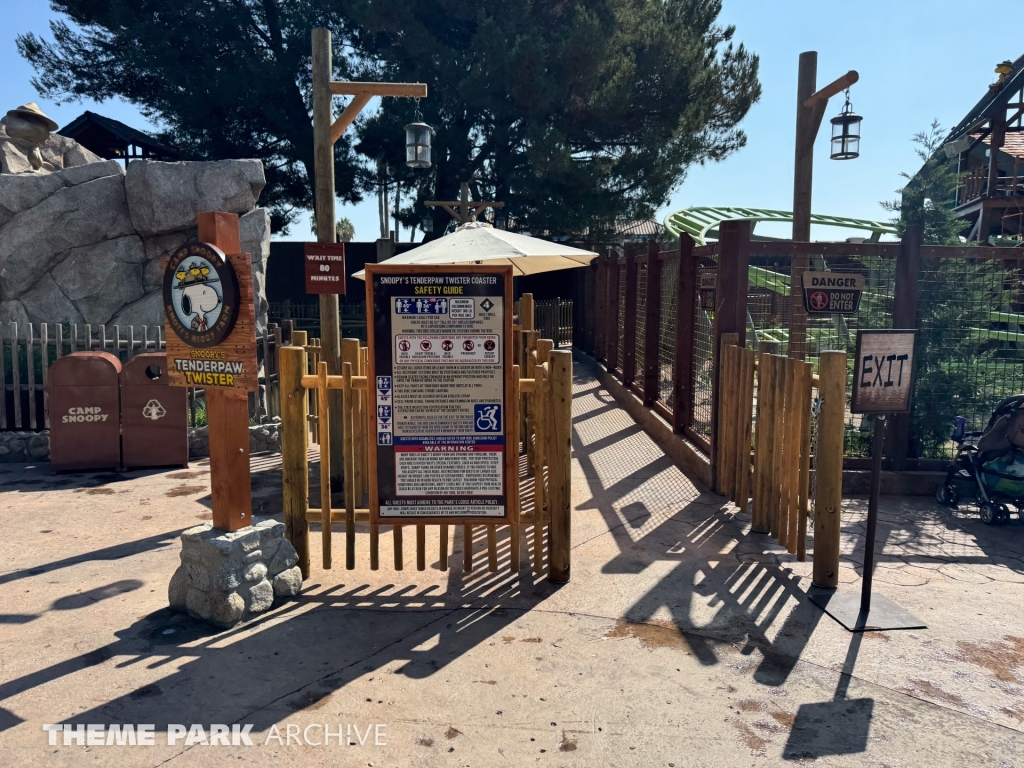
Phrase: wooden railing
x=543 y=399
x=776 y=477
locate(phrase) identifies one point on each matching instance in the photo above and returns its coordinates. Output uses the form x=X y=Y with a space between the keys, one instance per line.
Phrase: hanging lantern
x=417 y=145
x=846 y=132
x=428 y=223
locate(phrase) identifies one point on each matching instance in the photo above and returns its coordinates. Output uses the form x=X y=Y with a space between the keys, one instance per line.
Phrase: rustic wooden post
x=730 y=310
x=294 y=452
x=600 y=307
x=514 y=497
x=587 y=311
x=560 y=468
x=327 y=433
x=323 y=164
x=764 y=442
x=724 y=430
x=629 y=322
x=686 y=309
x=350 y=353
x=904 y=315
x=227 y=411
x=611 y=320
x=652 y=325
x=828 y=468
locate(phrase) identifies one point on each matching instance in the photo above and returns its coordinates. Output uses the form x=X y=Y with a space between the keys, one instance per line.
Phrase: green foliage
x=571 y=114
x=345 y=229
x=959 y=370
x=928 y=196
x=200 y=417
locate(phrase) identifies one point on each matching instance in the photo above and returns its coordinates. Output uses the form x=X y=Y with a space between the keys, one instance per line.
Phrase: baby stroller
x=992 y=462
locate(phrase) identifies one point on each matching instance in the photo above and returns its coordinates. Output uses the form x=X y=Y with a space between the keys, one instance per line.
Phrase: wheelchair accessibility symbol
x=487 y=417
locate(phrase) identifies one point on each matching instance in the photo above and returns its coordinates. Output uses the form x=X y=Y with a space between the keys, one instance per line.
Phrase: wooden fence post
x=295 y=452
x=611 y=328
x=904 y=315
x=560 y=468
x=686 y=308
x=730 y=311
x=828 y=468
x=652 y=325
x=600 y=306
x=629 y=319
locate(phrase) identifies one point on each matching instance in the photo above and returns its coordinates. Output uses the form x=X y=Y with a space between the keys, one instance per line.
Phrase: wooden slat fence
x=28 y=349
x=543 y=397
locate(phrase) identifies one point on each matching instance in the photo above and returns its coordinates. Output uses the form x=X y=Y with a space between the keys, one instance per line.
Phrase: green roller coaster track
x=698 y=222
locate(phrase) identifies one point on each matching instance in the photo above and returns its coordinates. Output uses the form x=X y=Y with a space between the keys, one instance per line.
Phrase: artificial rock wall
x=84 y=243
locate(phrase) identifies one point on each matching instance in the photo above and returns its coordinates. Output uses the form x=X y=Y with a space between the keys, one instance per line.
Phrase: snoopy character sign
x=201 y=294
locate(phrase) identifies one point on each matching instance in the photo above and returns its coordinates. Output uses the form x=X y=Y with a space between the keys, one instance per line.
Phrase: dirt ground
x=682 y=639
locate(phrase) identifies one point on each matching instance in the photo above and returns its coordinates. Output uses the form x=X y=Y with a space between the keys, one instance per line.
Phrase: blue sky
x=914 y=62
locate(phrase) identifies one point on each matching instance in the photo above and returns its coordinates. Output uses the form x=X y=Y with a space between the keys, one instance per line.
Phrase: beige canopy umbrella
x=479 y=243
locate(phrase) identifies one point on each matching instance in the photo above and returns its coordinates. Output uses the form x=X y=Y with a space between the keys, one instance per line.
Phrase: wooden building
x=113 y=140
x=988 y=147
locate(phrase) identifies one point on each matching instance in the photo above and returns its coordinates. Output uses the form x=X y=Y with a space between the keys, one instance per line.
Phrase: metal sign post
x=882 y=385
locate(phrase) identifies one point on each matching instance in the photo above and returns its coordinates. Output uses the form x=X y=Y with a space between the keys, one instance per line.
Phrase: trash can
x=85 y=414
x=154 y=415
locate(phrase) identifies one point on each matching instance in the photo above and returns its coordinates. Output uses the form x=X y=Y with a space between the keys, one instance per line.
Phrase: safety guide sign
x=439 y=346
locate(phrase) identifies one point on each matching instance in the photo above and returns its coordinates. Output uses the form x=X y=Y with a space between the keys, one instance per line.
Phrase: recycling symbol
x=486 y=305
x=153 y=410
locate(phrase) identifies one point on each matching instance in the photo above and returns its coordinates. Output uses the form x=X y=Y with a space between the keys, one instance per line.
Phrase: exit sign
x=883 y=371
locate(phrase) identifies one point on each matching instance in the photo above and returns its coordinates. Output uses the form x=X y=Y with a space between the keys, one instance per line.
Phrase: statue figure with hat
x=29 y=126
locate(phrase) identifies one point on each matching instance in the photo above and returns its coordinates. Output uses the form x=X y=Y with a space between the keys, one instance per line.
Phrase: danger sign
x=883 y=371
x=325 y=267
x=832 y=293
x=708 y=284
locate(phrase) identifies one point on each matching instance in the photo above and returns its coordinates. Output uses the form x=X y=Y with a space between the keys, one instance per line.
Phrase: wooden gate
x=776 y=475
x=543 y=434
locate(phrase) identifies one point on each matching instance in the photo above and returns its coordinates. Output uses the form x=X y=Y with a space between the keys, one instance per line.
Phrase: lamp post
x=810 y=109
x=326 y=131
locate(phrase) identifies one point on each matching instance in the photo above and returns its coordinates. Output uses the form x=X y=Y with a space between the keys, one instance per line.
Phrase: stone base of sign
x=226 y=578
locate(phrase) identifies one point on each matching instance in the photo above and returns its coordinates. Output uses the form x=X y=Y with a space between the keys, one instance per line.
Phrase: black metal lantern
x=417 y=145
x=846 y=132
x=428 y=223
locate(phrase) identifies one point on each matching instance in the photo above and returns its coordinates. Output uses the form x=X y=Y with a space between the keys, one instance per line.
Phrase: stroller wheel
x=988 y=513
x=947 y=495
x=1002 y=514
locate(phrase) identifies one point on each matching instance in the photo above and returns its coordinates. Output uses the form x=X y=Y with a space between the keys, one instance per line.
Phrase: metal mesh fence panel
x=641 y=323
x=768 y=306
x=621 y=323
x=970 y=347
x=703 y=354
x=667 y=330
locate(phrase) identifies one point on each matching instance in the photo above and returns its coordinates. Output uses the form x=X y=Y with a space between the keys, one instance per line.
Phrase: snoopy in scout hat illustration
x=198 y=295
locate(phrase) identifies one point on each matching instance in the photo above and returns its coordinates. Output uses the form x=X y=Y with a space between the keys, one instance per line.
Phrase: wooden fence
x=543 y=399
x=644 y=316
x=776 y=476
x=28 y=349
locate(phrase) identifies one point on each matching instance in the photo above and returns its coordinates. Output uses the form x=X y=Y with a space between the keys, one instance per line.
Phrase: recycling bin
x=84 y=408
x=154 y=415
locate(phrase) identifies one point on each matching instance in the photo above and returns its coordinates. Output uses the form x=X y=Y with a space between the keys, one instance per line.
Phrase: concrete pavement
x=682 y=640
